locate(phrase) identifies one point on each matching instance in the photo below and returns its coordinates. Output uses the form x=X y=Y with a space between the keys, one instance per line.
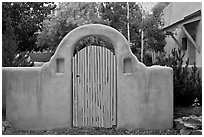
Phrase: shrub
x=187 y=82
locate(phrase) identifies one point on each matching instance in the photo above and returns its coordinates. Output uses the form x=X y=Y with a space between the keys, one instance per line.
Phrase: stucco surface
x=176 y=11
x=171 y=16
x=41 y=98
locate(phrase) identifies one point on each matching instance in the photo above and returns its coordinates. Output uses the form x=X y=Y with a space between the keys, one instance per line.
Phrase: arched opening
x=94 y=83
x=93 y=40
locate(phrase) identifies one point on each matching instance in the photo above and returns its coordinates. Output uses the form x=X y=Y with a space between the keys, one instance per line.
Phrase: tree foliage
x=152 y=26
x=9 y=46
x=66 y=17
x=116 y=13
x=52 y=24
x=20 y=21
x=25 y=19
x=71 y=15
x=187 y=80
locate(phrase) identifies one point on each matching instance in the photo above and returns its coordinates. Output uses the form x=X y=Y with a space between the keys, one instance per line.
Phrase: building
x=183 y=24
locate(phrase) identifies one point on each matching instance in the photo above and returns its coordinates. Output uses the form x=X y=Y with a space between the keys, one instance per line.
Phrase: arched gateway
x=94 y=75
x=94 y=68
x=95 y=86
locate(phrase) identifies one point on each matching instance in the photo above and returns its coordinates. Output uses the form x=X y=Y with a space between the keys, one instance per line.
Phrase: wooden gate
x=94 y=87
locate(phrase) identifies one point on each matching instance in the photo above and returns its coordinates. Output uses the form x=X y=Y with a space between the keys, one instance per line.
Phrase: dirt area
x=178 y=113
x=89 y=131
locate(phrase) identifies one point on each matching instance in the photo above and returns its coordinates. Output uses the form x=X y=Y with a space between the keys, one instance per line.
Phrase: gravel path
x=89 y=131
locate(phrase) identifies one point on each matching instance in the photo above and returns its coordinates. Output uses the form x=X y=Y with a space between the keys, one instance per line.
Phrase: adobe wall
x=41 y=98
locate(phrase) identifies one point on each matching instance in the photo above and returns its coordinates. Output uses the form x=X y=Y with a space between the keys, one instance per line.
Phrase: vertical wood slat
x=114 y=91
x=77 y=87
x=105 y=91
x=99 y=86
x=111 y=88
x=87 y=82
x=83 y=85
x=79 y=91
x=86 y=85
x=108 y=90
x=74 y=91
x=73 y=88
x=102 y=86
x=75 y=58
x=94 y=89
x=92 y=82
x=91 y=86
x=105 y=86
x=88 y=79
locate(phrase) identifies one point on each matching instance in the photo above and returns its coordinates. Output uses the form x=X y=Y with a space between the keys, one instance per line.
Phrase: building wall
x=175 y=12
x=41 y=97
x=171 y=44
x=199 y=42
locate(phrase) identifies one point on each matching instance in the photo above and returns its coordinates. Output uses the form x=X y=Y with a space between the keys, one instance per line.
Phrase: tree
x=25 y=18
x=116 y=14
x=73 y=14
x=20 y=21
x=154 y=36
x=66 y=17
x=9 y=46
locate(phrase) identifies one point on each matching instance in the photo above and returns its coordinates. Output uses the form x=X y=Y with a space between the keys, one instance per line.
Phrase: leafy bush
x=187 y=82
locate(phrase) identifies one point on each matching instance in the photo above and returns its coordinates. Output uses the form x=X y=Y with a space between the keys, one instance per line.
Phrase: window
x=184 y=43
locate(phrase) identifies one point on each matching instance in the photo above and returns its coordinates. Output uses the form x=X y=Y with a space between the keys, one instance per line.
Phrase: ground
x=179 y=112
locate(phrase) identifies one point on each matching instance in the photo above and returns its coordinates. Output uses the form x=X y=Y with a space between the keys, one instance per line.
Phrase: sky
x=148 y=5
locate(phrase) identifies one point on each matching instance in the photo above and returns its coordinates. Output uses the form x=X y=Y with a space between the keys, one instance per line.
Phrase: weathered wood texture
x=94 y=87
